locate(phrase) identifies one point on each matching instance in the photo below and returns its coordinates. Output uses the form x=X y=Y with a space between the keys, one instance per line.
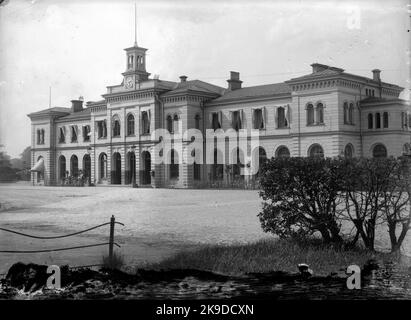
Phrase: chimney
x=234 y=82
x=77 y=105
x=376 y=75
x=183 y=79
x=317 y=67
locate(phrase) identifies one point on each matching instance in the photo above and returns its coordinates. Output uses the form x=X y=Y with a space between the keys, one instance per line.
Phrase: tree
x=301 y=197
x=396 y=202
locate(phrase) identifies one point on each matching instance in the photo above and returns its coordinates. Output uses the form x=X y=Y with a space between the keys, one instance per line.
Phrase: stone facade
x=328 y=113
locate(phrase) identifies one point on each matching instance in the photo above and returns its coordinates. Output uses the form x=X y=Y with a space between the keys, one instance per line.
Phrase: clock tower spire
x=136 y=61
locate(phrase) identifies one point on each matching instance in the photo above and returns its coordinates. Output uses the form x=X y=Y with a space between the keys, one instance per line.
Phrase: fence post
x=111 y=241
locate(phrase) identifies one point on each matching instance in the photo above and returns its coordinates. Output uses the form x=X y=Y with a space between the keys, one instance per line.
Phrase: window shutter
x=263 y=114
x=210 y=118
x=276 y=117
x=241 y=118
x=253 y=118
x=289 y=115
x=149 y=119
x=220 y=119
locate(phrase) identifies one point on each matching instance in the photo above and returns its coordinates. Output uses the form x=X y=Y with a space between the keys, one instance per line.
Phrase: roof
x=195 y=85
x=376 y=100
x=85 y=113
x=328 y=71
x=49 y=111
x=255 y=91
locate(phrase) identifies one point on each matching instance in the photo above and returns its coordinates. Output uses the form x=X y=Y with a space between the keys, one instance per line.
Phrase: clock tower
x=136 y=66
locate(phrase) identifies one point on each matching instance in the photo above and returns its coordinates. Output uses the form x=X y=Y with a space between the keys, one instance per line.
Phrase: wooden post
x=111 y=241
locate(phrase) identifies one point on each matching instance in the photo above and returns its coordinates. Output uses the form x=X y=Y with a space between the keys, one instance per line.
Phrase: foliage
x=301 y=197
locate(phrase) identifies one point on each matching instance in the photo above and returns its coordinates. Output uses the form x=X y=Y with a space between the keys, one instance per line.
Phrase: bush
x=301 y=197
x=116 y=263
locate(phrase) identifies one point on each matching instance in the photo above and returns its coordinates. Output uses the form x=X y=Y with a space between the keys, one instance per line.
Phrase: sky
x=76 y=47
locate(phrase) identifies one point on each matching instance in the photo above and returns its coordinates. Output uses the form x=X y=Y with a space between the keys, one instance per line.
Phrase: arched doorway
x=379 y=151
x=74 y=166
x=316 y=151
x=116 y=168
x=146 y=168
x=262 y=158
x=87 y=167
x=102 y=162
x=130 y=167
x=62 y=168
x=349 y=151
x=282 y=152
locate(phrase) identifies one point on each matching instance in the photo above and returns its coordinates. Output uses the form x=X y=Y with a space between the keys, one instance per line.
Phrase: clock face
x=129 y=82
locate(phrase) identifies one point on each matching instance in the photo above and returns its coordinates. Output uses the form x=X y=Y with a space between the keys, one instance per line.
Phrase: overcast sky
x=76 y=47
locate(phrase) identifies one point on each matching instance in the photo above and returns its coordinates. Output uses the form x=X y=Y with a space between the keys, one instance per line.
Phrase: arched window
x=74 y=166
x=316 y=151
x=62 y=167
x=320 y=113
x=282 y=152
x=345 y=113
x=145 y=122
x=262 y=158
x=379 y=151
x=174 y=165
x=130 y=125
x=116 y=127
x=370 y=121
x=170 y=124
x=310 y=114
x=281 y=118
x=377 y=120
x=349 y=151
x=217 y=172
x=103 y=165
x=197 y=121
x=385 y=119
x=351 y=114
x=175 y=123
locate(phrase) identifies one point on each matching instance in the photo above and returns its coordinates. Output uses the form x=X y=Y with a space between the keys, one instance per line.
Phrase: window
x=101 y=129
x=346 y=113
x=145 y=121
x=62 y=135
x=170 y=124
x=351 y=114
x=73 y=133
x=348 y=151
x=379 y=151
x=40 y=136
x=174 y=165
x=130 y=125
x=281 y=118
x=283 y=152
x=316 y=151
x=86 y=133
x=262 y=158
x=116 y=127
x=320 y=113
x=216 y=120
x=130 y=61
x=378 y=120
x=236 y=120
x=310 y=114
x=217 y=172
x=197 y=121
x=74 y=166
x=370 y=121
x=103 y=165
x=258 y=118
x=175 y=123
x=366 y=92
x=385 y=119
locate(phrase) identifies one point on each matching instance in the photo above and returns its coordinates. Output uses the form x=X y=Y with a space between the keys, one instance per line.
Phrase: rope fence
x=110 y=244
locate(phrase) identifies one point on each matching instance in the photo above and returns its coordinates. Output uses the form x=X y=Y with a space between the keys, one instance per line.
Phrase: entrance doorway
x=146 y=170
x=116 y=169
